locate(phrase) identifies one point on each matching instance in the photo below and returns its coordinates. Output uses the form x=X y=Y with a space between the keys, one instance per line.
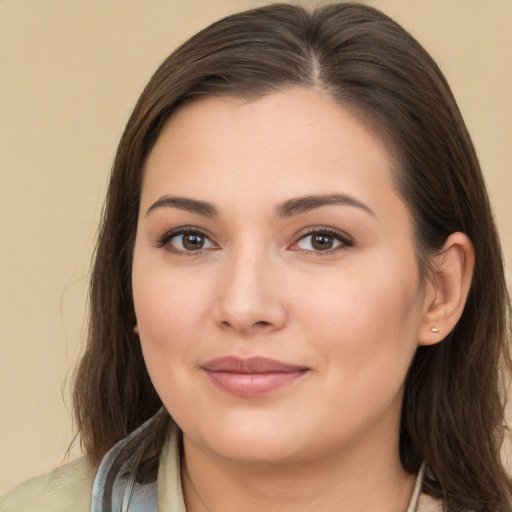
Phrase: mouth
x=251 y=377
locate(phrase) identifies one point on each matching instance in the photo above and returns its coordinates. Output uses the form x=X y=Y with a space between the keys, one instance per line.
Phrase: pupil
x=322 y=242
x=193 y=242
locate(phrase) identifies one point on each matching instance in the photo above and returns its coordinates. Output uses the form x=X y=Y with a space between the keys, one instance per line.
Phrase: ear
x=447 y=289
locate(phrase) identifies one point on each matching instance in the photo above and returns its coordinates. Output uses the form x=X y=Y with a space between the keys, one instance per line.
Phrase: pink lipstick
x=251 y=377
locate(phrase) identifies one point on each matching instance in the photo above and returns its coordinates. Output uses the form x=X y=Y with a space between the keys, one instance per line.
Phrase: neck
x=370 y=480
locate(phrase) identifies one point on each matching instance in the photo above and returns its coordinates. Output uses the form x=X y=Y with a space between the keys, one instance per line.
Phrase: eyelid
x=343 y=237
x=162 y=241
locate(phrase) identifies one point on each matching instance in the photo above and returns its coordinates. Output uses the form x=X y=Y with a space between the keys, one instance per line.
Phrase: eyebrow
x=305 y=204
x=187 y=204
x=289 y=208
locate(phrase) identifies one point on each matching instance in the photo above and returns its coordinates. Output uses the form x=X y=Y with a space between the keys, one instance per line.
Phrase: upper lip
x=250 y=365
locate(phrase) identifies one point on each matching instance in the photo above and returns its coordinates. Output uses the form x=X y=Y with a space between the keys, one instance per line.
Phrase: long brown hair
x=453 y=408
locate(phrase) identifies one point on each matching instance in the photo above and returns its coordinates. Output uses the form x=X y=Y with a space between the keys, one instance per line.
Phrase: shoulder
x=67 y=488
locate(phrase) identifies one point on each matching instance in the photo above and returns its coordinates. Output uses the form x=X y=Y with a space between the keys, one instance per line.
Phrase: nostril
x=261 y=323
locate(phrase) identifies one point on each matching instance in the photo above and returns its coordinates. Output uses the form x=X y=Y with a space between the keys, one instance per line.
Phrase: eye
x=186 y=240
x=322 y=241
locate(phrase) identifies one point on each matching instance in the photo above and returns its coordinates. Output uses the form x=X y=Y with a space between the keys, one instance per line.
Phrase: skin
x=352 y=315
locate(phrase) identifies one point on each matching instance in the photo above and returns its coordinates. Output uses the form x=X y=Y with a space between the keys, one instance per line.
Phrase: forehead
x=295 y=135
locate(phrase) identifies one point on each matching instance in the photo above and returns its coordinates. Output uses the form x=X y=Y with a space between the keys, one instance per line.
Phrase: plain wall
x=70 y=73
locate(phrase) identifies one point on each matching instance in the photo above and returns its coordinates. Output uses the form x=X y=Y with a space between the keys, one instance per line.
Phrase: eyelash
x=344 y=239
x=163 y=241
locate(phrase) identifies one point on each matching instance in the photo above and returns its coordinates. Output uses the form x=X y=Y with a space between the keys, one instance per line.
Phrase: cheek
x=169 y=306
x=169 y=311
x=366 y=319
x=164 y=313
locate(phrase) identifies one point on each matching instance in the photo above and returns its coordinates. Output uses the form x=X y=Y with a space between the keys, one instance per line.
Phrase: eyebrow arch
x=185 y=203
x=304 y=204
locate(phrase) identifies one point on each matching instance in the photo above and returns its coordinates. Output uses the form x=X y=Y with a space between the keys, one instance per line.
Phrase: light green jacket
x=68 y=488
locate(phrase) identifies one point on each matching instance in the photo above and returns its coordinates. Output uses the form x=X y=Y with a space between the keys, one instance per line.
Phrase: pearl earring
x=435 y=330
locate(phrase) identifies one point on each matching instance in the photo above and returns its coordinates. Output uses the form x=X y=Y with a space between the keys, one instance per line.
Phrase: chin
x=253 y=441
x=257 y=450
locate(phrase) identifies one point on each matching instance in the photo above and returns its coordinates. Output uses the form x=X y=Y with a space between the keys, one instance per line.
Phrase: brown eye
x=193 y=241
x=186 y=241
x=322 y=242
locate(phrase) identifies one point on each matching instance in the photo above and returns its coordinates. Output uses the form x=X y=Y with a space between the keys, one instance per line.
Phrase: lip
x=255 y=376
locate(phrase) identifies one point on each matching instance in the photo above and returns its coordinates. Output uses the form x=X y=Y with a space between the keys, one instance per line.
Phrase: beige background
x=70 y=74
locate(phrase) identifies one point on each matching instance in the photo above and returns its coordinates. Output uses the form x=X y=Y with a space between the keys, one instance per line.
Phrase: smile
x=251 y=377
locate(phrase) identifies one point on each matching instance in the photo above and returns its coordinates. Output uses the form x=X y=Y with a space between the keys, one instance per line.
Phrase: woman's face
x=275 y=280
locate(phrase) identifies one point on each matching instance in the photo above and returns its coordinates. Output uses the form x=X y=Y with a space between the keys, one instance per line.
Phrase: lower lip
x=253 y=384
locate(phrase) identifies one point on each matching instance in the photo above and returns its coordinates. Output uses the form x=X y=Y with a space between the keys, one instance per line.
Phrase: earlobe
x=447 y=289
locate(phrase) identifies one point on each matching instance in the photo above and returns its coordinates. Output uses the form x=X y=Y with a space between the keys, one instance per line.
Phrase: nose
x=250 y=297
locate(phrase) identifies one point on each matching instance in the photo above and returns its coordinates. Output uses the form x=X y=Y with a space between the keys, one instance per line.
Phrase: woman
x=298 y=265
